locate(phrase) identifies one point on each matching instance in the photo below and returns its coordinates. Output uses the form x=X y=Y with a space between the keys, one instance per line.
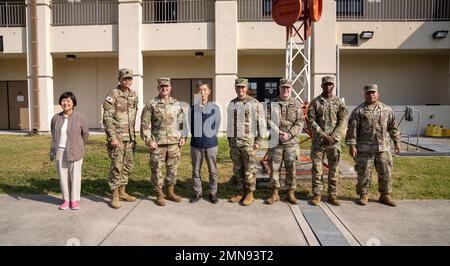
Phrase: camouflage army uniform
x=370 y=129
x=326 y=117
x=246 y=127
x=162 y=122
x=119 y=115
x=285 y=116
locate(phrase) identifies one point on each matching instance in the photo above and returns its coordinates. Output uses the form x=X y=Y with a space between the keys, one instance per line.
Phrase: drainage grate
x=326 y=232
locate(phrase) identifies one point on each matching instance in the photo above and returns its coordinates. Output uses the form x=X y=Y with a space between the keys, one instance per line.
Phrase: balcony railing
x=255 y=10
x=181 y=11
x=393 y=10
x=85 y=12
x=12 y=14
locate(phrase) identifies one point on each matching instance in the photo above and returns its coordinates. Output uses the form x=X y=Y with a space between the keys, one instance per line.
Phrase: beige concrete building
x=82 y=44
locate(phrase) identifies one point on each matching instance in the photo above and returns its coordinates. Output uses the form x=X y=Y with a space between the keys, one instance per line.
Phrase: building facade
x=82 y=44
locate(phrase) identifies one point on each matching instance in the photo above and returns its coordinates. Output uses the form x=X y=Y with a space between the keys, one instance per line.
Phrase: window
x=263 y=89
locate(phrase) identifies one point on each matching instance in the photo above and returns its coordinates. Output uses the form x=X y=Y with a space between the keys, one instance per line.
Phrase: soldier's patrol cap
x=241 y=82
x=285 y=82
x=125 y=73
x=164 y=81
x=328 y=79
x=370 y=87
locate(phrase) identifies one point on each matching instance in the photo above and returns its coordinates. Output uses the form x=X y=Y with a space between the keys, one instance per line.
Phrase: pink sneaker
x=74 y=205
x=64 y=205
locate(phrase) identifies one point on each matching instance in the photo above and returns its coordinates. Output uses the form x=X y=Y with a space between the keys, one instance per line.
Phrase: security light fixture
x=440 y=34
x=71 y=57
x=366 y=34
x=199 y=54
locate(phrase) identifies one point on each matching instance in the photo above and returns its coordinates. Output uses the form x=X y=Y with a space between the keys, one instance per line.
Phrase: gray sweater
x=77 y=135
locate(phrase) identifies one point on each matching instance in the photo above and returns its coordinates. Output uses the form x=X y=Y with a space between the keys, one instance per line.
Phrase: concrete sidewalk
x=36 y=220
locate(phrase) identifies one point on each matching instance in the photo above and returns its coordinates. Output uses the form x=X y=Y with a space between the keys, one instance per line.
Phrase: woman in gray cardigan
x=69 y=136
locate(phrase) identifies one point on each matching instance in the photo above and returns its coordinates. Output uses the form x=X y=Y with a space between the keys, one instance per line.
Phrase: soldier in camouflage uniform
x=285 y=120
x=370 y=130
x=327 y=117
x=163 y=129
x=119 y=115
x=245 y=131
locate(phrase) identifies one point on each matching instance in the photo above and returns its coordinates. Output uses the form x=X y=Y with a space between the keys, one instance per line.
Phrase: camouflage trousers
x=244 y=159
x=122 y=164
x=288 y=155
x=383 y=165
x=333 y=154
x=165 y=154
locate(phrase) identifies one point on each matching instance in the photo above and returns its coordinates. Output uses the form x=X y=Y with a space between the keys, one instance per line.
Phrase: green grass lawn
x=25 y=168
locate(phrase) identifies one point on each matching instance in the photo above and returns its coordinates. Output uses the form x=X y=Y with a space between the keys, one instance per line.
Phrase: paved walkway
x=35 y=220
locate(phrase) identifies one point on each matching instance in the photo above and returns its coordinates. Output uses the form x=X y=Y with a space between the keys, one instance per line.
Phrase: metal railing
x=84 y=12
x=12 y=14
x=392 y=10
x=181 y=11
x=255 y=10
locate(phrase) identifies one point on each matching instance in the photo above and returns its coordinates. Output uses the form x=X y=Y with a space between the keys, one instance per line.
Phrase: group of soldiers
x=370 y=128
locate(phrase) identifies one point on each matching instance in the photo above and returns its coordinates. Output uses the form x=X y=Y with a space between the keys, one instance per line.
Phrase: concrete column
x=226 y=54
x=323 y=47
x=130 y=46
x=45 y=61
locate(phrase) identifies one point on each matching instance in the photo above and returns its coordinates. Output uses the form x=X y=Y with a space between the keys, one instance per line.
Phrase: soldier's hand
x=255 y=146
x=153 y=145
x=181 y=142
x=397 y=149
x=327 y=139
x=115 y=143
x=353 y=151
x=284 y=137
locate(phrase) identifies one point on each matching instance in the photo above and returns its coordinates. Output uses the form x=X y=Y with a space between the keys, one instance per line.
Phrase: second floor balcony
x=12 y=13
x=97 y=12
x=392 y=10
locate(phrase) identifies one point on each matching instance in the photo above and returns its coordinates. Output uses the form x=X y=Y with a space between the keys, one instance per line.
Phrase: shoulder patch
x=109 y=99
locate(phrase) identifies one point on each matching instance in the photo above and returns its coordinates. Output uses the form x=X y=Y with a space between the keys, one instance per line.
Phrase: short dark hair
x=201 y=83
x=68 y=94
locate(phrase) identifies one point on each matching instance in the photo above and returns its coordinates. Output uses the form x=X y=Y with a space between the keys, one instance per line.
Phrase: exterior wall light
x=366 y=35
x=199 y=55
x=440 y=34
x=71 y=57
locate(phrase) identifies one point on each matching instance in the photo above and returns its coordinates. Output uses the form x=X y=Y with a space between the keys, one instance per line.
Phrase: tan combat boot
x=237 y=198
x=248 y=198
x=333 y=200
x=387 y=200
x=316 y=200
x=363 y=199
x=274 y=198
x=115 y=203
x=160 y=197
x=290 y=196
x=124 y=196
x=171 y=194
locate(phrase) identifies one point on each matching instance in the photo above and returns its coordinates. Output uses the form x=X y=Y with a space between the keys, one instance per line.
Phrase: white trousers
x=69 y=173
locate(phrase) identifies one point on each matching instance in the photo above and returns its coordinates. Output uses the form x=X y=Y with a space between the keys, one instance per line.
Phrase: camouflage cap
x=163 y=81
x=370 y=87
x=285 y=82
x=328 y=79
x=125 y=73
x=241 y=82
